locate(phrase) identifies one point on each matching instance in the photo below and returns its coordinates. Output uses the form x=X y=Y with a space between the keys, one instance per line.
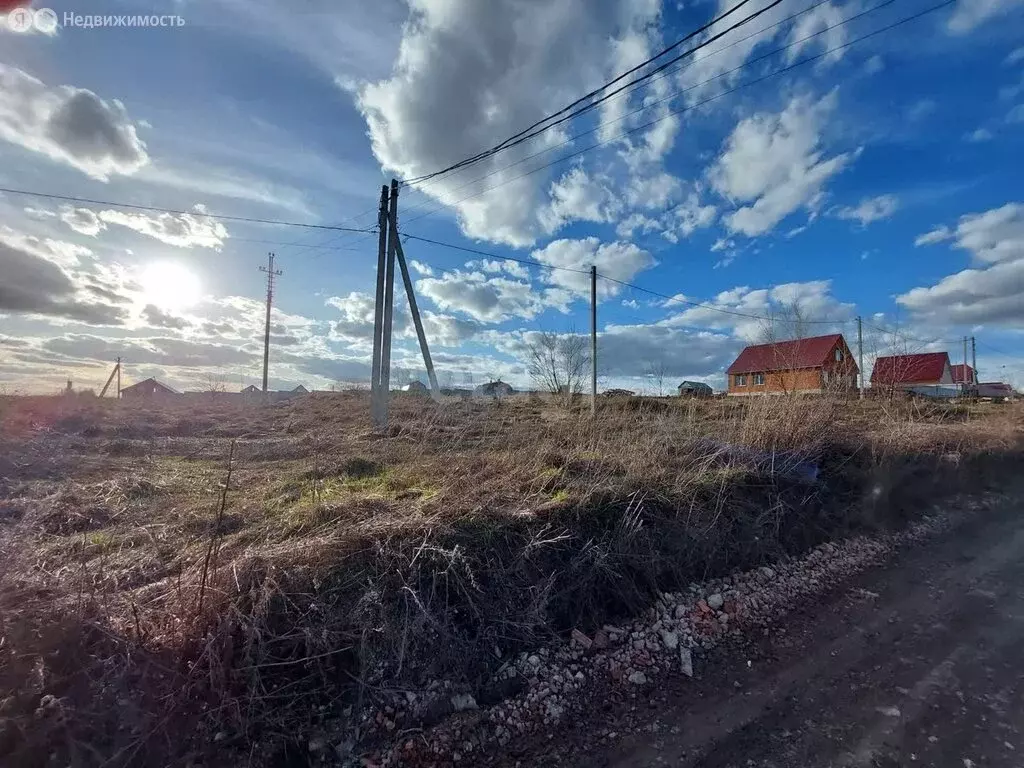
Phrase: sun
x=170 y=286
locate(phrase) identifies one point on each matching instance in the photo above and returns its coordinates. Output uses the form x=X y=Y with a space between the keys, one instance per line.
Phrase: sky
x=809 y=158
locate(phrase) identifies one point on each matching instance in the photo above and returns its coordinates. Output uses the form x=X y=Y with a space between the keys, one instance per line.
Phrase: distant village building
x=812 y=366
x=494 y=389
x=928 y=369
x=147 y=389
x=416 y=388
x=619 y=393
x=963 y=374
x=251 y=390
x=694 y=389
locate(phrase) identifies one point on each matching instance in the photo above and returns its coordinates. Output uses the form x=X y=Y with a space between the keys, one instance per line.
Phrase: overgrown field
x=154 y=612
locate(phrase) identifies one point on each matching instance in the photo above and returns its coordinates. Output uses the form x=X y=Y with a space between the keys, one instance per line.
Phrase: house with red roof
x=814 y=365
x=963 y=374
x=927 y=369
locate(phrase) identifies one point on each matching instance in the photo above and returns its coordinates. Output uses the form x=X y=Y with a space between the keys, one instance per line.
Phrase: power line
x=175 y=212
x=535 y=131
x=904 y=337
x=529 y=262
x=506 y=143
x=997 y=351
x=696 y=105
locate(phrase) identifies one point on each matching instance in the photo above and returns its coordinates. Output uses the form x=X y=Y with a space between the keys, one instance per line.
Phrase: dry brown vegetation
x=154 y=614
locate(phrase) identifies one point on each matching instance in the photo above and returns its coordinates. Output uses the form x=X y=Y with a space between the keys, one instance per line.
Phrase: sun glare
x=169 y=286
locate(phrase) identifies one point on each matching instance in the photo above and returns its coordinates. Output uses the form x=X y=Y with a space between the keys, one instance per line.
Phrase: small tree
x=656 y=372
x=788 y=323
x=558 y=364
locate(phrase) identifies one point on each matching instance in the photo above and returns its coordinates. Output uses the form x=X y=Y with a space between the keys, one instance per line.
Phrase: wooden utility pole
x=271 y=274
x=860 y=354
x=376 y=401
x=389 y=304
x=593 y=342
x=974 y=361
x=435 y=392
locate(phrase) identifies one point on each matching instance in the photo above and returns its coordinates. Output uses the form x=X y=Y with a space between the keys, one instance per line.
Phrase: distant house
x=694 y=389
x=147 y=389
x=494 y=389
x=251 y=390
x=416 y=388
x=996 y=390
x=300 y=390
x=618 y=393
x=963 y=374
x=928 y=369
x=814 y=365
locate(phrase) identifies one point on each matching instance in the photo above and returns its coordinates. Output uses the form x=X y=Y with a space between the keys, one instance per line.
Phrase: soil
x=913 y=664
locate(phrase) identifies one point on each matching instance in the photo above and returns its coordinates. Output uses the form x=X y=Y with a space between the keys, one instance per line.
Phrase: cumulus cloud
x=496 y=266
x=158 y=318
x=468 y=72
x=578 y=196
x=356 y=323
x=687 y=217
x=184 y=230
x=969 y=14
x=82 y=220
x=979 y=135
x=489 y=299
x=775 y=163
x=618 y=261
x=420 y=268
x=70 y=125
x=870 y=209
x=995 y=239
x=36 y=281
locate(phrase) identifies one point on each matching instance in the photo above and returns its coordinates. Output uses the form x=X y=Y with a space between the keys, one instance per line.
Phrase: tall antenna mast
x=271 y=274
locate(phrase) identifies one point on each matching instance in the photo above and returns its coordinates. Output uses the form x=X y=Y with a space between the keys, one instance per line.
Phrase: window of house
x=758 y=379
x=839 y=355
x=741 y=380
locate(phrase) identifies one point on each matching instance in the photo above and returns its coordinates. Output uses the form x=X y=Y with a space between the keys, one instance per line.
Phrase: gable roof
x=910 y=369
x=958 y=374
x=154 y=382
x=786 y=355
x=694 y=385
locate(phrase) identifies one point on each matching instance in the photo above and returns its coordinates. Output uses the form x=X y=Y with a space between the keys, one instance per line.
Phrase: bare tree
x=215 y=383
x=787 y=323
x=656 y=372
x=558 y=363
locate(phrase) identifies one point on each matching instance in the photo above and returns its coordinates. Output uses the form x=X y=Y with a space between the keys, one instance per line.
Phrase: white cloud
x=825 y=24
x=687 y=217
x=995 y=238
x=979 y=135
x=488 y=299
x=968 y=14
x=469 y=72
x=578 y=196
x=870 y=209
x=497 y=266
x=1016 y=115
x=874 y=65
x=69 y=125
x=934 y=236
x=184 y=230
x=82 y=220
x=619 y=261
x=635 y=222
x=776 y=163
x=1016 y=55
x=423 y=269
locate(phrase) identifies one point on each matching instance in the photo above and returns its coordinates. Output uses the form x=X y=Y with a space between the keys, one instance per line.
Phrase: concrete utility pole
x=119 y=378
x=963 y=378
x=389 y=304
x=860 y=354
x=435 y=392
x=271 y=274
x=376 y=402
x=593 y=342
x=974 y=361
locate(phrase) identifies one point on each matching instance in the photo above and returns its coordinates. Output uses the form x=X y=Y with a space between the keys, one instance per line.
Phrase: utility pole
x=593 y=342
x=435 y=392
x=974 y=361
x=963 y=377
x=119 y=378
x=376 y=401
x=860 y=354
x=389 y=304
x=271 y=274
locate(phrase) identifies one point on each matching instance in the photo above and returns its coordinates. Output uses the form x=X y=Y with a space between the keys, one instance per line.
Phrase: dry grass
x=151 y=613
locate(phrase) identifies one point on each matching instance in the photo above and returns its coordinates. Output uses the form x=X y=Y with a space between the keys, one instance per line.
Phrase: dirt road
x=920 y=663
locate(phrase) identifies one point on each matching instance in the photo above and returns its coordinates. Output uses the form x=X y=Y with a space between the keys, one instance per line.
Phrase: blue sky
x=881 y=179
